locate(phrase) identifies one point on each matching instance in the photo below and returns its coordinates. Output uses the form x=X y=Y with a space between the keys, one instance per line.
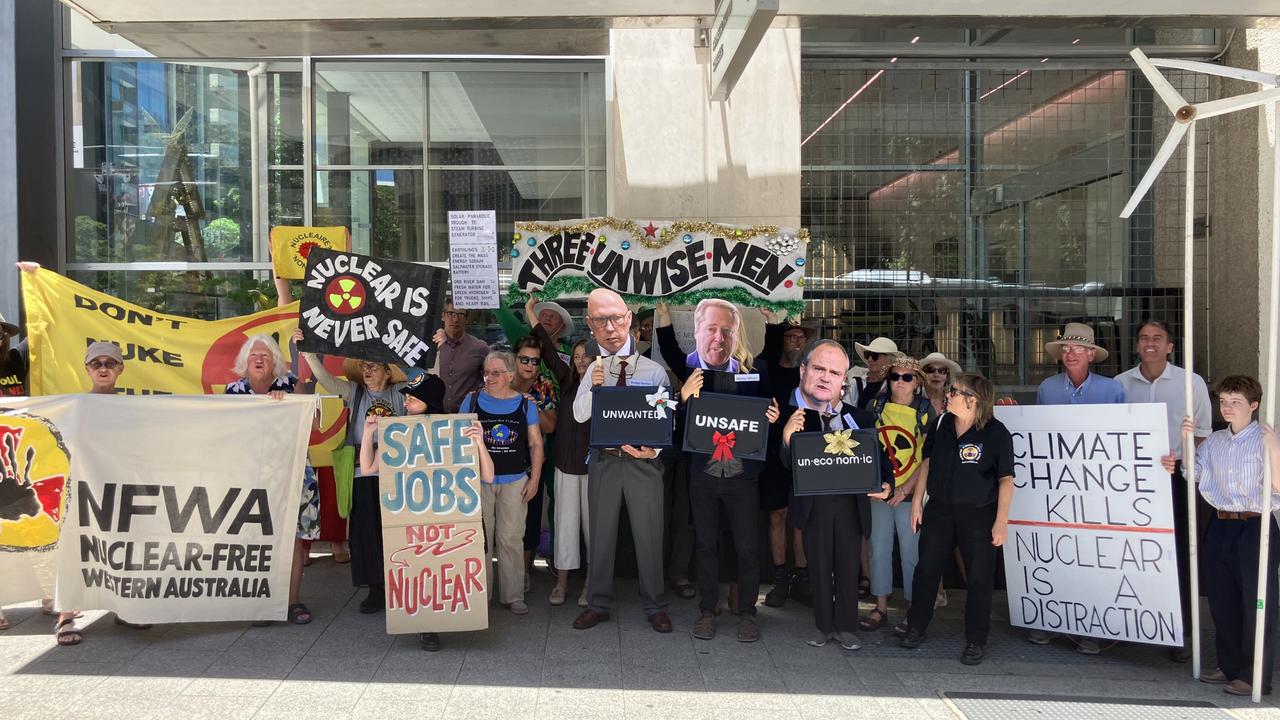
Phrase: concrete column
x=675 y=154
x=1239 y=252
x=8 y=163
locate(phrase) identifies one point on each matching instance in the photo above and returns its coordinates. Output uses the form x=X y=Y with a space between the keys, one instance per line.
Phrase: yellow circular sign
x=34 y=471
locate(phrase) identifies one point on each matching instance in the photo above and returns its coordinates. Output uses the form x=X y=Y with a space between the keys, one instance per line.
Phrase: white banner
x=1091 y=546
x=174 y=508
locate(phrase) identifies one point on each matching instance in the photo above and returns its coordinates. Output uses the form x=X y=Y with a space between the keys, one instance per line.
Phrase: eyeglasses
x=794 y=337
x=903 y=377
x=367 y=367
x=495 y=373
x=608 y=320
x=455 y=314
x=871 y=356
x=1075 y=349
x=528 y=360
x=100 y=364
x=937 y=371
x=953 y=391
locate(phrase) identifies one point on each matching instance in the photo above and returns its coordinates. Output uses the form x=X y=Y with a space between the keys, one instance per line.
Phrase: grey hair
x=278 y=370
x=813 y=347
x=507 y=359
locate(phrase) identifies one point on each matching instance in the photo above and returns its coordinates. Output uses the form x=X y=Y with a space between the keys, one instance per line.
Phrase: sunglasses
x=455 y=314
x=100 y=364
x=937 y=371
x=527 y=360
x=953 y=391
x=904 y=377
x=871 y=356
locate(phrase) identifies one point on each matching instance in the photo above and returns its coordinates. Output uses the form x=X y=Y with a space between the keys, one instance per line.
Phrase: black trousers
x=833 y=544
x=1231 y=559
x=365 y=533
x=945 y=529
x=740 y=498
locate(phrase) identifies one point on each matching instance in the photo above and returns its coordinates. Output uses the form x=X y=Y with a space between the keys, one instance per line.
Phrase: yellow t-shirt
x=897 y=429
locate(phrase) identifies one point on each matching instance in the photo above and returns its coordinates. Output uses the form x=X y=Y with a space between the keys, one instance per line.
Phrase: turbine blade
x=1172 y=98
x=1253 y=76
x=1236 y=102
x=1157 y=164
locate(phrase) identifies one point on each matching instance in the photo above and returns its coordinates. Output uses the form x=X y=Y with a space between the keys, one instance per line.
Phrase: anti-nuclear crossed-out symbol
x=345 y=295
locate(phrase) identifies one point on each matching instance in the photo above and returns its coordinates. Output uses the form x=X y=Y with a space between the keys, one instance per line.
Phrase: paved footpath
x=343 y=665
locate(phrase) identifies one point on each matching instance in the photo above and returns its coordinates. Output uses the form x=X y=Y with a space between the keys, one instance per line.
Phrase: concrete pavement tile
x=582 y=675
x=706 y=713
x=642 y=679
x=127 y=685
x=335 y=669
x=573 y=700
x=226 y=687
x=409 y=692
x=218 y=707
x=92 y=707
x=298 y=696
x=512 y=701
x=14 y=699
x=58 y=678
x=392 y=708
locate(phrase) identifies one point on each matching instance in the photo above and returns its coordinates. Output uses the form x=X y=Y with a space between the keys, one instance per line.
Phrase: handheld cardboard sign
x=835 y=462
x=727 y=427
x=631 y=415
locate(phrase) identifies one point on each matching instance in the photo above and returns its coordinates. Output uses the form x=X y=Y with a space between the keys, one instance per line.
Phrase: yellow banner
x=163 y=354
x=290 y=246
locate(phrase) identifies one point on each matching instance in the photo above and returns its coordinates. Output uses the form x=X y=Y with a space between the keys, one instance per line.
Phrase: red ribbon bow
x=724 y=447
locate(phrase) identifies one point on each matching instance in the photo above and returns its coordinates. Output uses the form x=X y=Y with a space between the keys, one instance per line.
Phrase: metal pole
x=1189 y=439
x=1268 y=416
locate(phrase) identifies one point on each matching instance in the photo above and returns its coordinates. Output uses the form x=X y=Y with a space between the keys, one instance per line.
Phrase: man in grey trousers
x=628 y=471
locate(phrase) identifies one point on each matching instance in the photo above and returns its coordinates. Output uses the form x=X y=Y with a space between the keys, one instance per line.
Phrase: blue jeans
x=884 y=521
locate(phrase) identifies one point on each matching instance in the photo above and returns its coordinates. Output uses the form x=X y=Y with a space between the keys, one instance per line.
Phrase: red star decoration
x=649 y=229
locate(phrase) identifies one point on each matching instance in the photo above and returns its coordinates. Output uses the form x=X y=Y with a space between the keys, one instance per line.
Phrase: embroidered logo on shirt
x=970 y=452
x=380 y=408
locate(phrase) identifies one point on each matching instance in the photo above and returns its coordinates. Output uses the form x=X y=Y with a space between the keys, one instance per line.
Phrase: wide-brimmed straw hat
x=881 y=346
x=355 y=373
x=558 y=309
x=937 y=358
x=1075 y=334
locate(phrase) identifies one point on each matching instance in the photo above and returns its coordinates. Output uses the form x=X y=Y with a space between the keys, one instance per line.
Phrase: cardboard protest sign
x=681 y=261
x=727 y=427
x=371 y=309
x=164 y=354
x=1091 y=546
x=181 y=508
x=292 y=245
x=473 y=259
x=631 y=415
x=432 y=534
x=836 y=462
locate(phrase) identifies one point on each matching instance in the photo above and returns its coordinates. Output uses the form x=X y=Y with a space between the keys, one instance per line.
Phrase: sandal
x=342 y=556
x=685 y=590
x=67 y=632
x=299 y=614
x=864 y=587
x=900 y=630
x=873 y=620
x=4 y=623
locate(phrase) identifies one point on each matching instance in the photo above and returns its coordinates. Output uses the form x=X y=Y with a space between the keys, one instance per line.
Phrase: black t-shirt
x=13 y=374
x=967 y=470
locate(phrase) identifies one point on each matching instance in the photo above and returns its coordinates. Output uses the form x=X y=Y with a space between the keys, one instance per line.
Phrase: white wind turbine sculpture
x=1185 y=117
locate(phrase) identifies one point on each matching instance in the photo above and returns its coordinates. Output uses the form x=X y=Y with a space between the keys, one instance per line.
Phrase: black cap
x=429 y=389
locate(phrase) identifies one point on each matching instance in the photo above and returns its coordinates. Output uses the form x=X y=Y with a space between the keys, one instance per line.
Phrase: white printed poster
x=473 y=258
x=179 y=508
x=1091 y=547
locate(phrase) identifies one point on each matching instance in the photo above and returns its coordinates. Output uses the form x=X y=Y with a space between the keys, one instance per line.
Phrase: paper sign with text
x=1091 y=546
x=371 y=308
x=432 y=534
x=473 y=259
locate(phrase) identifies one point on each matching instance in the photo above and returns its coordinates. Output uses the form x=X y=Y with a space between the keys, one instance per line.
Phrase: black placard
x=623 y=416
x=727 y=427
x=371 y=308
x=823 y=463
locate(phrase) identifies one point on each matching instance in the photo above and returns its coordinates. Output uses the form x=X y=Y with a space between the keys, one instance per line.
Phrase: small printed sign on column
x=473 y=258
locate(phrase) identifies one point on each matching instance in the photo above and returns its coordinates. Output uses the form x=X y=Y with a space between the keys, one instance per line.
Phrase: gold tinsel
x=665 y=235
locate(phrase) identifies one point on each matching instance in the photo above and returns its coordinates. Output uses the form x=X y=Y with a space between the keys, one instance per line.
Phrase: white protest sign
x=473 y=258
x=1091 y=546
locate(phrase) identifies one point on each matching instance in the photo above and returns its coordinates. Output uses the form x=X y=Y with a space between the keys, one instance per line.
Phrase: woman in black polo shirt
x=968 y=476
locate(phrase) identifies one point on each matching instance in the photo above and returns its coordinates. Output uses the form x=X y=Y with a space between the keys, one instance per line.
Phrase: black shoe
x=912 y=639
x=777 y=597
x=374 y=602
x=430 y=642
x=973 y=653
x=800 y=590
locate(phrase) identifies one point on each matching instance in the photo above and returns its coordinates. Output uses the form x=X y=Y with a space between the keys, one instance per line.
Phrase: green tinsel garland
x=578 y=285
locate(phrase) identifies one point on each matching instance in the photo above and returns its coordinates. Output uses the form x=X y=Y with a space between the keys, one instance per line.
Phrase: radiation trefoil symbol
x=345 y=295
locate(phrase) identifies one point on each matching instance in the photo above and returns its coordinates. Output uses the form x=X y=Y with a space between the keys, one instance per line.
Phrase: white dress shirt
x=1168 y=389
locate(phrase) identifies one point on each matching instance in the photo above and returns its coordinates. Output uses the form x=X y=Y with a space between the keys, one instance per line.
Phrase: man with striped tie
x=627 y=471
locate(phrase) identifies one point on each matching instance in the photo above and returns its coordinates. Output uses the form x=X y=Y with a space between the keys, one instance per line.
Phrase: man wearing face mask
x=628 y=471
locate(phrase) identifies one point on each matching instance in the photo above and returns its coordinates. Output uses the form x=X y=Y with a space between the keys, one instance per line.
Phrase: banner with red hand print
x=729 y=428
x=372 y=309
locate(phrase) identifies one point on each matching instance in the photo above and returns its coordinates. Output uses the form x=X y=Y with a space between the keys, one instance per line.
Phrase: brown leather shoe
x=589 y=618
x=660 y=622
x=1217 y=677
